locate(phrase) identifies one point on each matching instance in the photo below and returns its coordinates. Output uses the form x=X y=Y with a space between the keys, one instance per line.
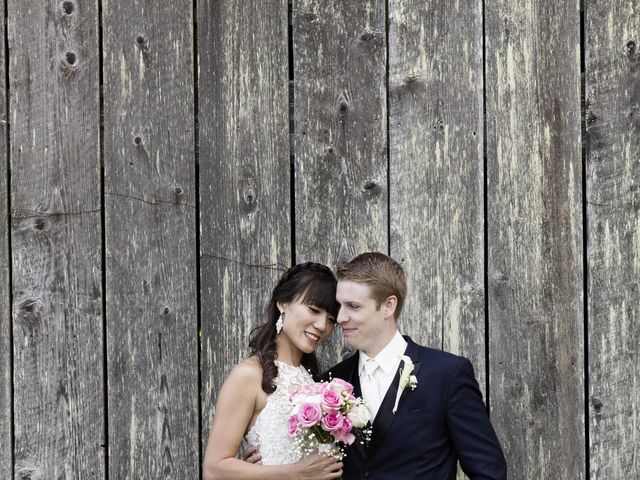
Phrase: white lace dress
x=269 y=432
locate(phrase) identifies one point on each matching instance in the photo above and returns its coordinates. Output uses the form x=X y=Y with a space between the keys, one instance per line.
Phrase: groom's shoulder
x=343 y=368
x=444 y=360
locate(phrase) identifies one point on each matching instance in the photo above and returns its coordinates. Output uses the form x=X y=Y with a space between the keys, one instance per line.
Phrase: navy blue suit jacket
x=442 y=421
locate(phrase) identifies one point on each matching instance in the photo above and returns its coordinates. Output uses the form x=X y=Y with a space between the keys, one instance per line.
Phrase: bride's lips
x=311 y=337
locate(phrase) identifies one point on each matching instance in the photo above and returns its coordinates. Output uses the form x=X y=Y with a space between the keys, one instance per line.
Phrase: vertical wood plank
x=150 y=204
x=436 y=171
x=244 y=176
x=535 y=236
x=6 y=469
x=613 y=214
x=56 y=239
x=340 y=131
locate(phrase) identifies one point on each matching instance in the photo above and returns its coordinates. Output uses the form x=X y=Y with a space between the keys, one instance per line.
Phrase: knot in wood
x=597 y=404
x=68 y=64
x=26 y=473
x=500 y=277
x=41 y=224
x=308 y=17
x=68 y=7
x=70 y=57
x=371 y=190
x=249 y=205
x=140 y=40
x=366 y=36
x=28 y=305
x=29 y=315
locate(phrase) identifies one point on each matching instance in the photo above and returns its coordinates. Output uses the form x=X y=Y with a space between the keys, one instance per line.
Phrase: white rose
x=359 y=415
x=336 y=387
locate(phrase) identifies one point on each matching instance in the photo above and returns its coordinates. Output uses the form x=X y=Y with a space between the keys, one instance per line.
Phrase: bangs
x=321 y=294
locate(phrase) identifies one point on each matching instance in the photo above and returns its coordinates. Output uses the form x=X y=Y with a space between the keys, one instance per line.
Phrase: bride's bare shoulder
x=248 y=370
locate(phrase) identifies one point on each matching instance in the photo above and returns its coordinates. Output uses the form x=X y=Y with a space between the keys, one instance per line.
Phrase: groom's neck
x=380 y=343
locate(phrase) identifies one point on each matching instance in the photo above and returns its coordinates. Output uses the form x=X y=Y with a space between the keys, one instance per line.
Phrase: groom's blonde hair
x=381 y=273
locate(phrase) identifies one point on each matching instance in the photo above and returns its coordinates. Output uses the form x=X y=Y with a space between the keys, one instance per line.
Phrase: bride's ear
x=281 y=306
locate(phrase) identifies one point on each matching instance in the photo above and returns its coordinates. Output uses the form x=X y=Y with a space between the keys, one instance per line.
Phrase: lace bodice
x=269 y=433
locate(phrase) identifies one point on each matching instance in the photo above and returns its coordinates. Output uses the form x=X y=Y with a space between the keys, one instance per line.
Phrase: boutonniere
x=406 y=379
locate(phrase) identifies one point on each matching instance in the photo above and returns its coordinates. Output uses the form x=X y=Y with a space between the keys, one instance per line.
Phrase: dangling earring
x=280 y=323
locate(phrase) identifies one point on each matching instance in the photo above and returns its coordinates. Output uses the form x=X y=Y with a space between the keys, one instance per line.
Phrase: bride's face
x=305 y=326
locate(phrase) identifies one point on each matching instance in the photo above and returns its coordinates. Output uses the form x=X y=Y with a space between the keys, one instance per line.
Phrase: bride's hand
x=252 y=455
x=319 y=467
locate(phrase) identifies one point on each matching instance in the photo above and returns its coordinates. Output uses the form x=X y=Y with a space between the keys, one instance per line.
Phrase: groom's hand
x=252 y=455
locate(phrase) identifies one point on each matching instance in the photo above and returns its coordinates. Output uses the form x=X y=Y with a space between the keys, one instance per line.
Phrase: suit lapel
x=385 y=415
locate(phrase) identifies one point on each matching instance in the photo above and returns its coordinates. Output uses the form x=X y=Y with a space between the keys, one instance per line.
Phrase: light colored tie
x=369 y=386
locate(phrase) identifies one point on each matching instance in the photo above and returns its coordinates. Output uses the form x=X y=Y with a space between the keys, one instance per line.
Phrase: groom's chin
x=351 y=339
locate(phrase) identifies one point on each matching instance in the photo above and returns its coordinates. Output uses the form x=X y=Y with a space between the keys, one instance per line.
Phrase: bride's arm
x=234 y=410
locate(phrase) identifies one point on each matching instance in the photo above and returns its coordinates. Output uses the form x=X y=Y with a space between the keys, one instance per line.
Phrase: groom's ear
x=390 y=305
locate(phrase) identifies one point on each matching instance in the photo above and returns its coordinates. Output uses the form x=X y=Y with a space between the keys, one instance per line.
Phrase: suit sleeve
x=473 y=437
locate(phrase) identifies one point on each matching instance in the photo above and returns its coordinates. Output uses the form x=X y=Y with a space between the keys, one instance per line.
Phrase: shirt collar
x=388 y=358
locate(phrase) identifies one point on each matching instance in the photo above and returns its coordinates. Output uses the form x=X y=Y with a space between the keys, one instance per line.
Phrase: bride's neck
x=287 y=352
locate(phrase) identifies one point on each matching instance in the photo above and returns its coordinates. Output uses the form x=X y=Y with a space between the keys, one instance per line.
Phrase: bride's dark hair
x=311 y=284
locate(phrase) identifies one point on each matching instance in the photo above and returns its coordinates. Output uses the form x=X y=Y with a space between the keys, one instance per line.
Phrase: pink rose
x=338 y=385
x=331 y=401
x=332 y=421
x=343 y=434
x=292 y=425
x=309 y=415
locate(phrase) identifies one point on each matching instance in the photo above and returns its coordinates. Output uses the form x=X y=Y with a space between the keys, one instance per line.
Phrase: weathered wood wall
x=56 y=241
x=613 y=251
x=150 y=199
x=436 y=171
x=340 y=133
x=245 y=219
x=534 y=238
x=161 y=162
x=6 y=397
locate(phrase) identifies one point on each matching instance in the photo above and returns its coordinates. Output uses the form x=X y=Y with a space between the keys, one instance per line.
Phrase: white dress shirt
x=389 y=361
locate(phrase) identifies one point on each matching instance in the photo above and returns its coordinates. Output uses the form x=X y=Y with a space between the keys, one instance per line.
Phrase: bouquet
x=327 y=413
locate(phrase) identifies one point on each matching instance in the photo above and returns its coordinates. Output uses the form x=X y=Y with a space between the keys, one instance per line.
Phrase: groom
x=440 y=418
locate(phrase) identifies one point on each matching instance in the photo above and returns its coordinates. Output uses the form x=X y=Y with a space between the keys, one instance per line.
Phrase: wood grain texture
x=151 y=276
x=6 y=468
x=535 y=236
x=436 y=171
x=613 y=216
x=341 y=194
x=56 y=239
x=244 y=176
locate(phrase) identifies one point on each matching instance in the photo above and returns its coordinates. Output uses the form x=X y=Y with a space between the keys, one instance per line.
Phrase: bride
x=253 y=404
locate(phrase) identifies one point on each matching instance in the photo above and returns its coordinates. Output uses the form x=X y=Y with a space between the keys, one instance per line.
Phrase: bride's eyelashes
x=316 y=311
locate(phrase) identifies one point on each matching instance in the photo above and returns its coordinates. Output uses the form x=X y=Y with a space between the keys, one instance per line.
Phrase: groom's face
x=362 y=320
